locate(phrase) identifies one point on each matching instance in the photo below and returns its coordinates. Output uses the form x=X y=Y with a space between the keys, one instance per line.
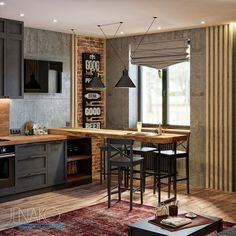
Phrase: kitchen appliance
x=7 y=166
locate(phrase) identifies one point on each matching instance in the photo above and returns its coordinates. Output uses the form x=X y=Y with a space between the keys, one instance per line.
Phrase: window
x=151 y=94
x=165 y=95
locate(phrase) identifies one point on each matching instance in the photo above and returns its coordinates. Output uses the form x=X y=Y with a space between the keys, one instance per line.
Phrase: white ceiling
x=85 y=15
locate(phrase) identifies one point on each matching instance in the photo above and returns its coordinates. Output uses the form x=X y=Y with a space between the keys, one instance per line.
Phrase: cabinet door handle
x=30 y=174
x=32 y=157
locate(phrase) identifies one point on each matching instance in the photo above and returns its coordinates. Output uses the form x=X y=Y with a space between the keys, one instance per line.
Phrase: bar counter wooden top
x=149 y=137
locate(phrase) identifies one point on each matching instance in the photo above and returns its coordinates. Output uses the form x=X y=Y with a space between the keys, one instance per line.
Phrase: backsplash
x=4 y=116
x=45 y=109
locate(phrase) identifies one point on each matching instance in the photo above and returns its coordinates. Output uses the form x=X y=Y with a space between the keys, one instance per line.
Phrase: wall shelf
x=78 y=158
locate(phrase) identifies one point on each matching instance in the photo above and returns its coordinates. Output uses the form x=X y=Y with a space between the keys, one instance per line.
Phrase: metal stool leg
x=119 y=182
x=131 y=188
x=187 y=173
x=142 y=174
x=100 y=166
x=104 y=165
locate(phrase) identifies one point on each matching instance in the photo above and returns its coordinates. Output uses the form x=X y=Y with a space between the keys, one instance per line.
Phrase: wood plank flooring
x=54 y=203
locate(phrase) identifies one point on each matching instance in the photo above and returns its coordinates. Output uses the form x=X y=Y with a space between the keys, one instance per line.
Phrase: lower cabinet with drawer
x=40 y=165
x=31 y=166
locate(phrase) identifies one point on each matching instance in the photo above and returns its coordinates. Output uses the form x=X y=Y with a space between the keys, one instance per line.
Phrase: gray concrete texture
x=50 y=110
x=122 y=106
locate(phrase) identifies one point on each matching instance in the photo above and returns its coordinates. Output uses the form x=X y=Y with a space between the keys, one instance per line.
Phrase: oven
x=7 y=166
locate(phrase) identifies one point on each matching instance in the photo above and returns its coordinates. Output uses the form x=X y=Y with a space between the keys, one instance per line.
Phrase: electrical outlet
x=15 y=131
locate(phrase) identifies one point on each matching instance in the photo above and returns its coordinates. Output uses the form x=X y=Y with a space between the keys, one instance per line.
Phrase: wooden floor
x=53 y=203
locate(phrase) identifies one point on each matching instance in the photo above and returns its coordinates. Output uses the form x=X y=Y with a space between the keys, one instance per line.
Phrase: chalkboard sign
x=92 y=103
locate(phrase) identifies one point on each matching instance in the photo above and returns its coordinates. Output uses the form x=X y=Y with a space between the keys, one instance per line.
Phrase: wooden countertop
x=149 y=137
x=23 y=139
x=169 y=131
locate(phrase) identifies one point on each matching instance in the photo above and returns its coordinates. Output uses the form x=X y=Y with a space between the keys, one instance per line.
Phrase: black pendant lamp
x=96 y=82
x=125 y=81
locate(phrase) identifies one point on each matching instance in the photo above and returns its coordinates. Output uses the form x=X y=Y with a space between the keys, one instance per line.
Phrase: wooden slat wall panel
x=73 y=81
x=219 y=108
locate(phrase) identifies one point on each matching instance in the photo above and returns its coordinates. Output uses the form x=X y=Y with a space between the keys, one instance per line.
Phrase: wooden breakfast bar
x=148 y=137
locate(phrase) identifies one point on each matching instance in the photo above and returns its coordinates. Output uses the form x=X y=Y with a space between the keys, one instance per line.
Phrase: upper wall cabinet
x=11 y=58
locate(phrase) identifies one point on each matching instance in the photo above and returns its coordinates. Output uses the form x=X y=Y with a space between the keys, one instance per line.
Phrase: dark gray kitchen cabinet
x=11 y=58
x=31 y=166
x=56 y=163
x=40 y=165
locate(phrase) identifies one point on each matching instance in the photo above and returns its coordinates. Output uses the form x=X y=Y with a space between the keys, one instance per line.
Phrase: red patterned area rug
x=89 y=221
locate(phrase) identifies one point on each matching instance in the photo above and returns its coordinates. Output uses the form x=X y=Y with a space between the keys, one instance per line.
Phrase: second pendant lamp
x=125 y=81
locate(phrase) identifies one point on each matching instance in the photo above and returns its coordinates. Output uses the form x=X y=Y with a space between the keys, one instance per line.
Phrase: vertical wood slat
x=221 y=50
x=72 y=110
x=207 y=111
x=225 y=112
x=230 y=107
x=216 y=115
x=219 y=108
x=76 y=82
x=74 y=100
x=211 y=126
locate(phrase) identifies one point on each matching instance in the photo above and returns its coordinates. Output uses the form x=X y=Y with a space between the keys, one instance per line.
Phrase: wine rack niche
x=79 y=160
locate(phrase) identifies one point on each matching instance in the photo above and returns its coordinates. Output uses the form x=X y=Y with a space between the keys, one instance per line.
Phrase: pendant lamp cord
x=117 y=54
x=109 y=41
x=141 y=40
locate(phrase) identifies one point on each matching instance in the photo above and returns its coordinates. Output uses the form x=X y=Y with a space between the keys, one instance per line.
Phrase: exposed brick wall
x=90 y=45
x=4 y=117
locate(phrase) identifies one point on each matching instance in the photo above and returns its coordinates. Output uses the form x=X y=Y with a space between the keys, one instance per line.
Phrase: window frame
x=164 y=102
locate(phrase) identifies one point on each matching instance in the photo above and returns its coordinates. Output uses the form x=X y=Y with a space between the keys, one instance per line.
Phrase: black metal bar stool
x=103 y=163
x=165 y=167
x=182 y=152
x=146 y=151
x=120 y=155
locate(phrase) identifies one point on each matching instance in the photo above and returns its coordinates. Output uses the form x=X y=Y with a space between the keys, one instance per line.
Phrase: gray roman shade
x=160 y=54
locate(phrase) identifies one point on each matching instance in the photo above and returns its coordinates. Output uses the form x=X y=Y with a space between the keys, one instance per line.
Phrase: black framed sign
x=92 y=104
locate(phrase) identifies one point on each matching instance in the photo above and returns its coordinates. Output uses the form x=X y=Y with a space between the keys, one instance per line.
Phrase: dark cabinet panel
x=2 y=69
x=2 y=26
x=30 y=150
x=56 y=163
x=11 y=58
x=14 y=69
x=31 y=166
x=14 y=28
x=31 y=181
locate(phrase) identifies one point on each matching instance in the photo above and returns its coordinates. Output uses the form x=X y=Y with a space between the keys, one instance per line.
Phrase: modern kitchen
x=110 y=119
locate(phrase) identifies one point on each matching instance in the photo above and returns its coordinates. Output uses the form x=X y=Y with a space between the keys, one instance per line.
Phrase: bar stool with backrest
x=165 y=168
x=103 y=165
x=182 y=152
x=120 y=155
x=146 y=151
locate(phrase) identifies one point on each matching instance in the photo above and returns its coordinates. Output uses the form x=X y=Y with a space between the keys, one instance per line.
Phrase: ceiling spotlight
x=2 y=3
x=54 y=20
x=22 y=14
x=203 y=22
x=121 y=32
x=159 y=28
